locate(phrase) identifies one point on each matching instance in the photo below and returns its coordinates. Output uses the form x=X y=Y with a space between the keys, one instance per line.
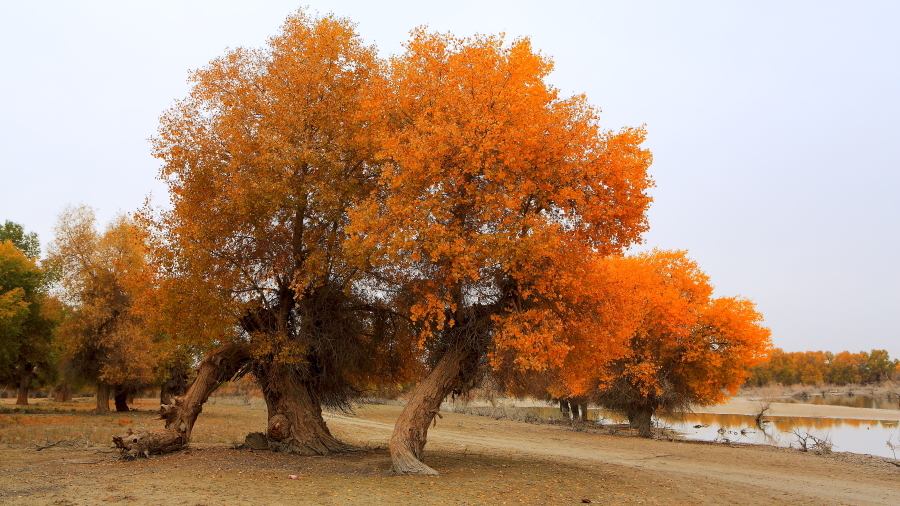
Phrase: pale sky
x=773 y=125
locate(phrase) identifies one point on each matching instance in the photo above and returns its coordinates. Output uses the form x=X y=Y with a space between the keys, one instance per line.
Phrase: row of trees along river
x=824 y=367
x=340 y=224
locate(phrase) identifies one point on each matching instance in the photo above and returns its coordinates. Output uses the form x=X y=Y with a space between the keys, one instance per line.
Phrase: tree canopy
x=28 y=243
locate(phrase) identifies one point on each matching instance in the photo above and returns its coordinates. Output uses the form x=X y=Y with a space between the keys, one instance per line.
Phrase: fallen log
x=218 y=367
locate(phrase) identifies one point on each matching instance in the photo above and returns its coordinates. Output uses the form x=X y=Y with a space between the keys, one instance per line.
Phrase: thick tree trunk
x=584 y=411
x=576 y=411
x=121 y=398
x=295 y=414
x=578 y=408
x=25 y=385
x=411 y=430
x=642 y=420
x=102 y=398
x=62 y=392
x=564 y=408
x=217 y=368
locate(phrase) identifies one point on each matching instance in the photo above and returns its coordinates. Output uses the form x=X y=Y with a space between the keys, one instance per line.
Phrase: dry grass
x=43 y=422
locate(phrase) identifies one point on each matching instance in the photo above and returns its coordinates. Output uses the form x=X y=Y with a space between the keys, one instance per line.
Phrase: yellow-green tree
x=104 y=341
x=28 y=316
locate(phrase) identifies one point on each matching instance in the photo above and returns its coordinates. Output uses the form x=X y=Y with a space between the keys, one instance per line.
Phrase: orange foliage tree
x=818 y=367
x=688 y=348
x=682 y=346
x=263 y=160
x=494 y=191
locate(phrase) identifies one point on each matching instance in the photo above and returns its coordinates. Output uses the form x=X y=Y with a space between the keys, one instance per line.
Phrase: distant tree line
x=818 y=367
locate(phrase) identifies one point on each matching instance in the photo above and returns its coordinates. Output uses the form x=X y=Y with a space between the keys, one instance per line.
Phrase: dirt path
x=767 y=474
x=482 y=461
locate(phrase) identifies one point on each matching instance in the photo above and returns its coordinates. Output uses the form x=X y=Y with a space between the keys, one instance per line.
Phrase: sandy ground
x=482 y=461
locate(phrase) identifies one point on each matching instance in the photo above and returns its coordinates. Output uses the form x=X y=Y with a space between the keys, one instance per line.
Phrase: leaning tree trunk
x=411 y=430
x=217 y=368
x=102 y=397
x=295 y=414
x=25 y=385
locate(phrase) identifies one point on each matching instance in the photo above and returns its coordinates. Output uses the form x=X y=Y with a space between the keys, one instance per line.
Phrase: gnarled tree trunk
x=411 y=430
x=295 y=414
x=102 y=397
x=62 y=392
x=121 y=398
x=217 y=368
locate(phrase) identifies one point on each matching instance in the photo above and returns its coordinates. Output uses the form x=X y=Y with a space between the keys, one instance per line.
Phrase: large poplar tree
x=494 y=192
x=263 y=160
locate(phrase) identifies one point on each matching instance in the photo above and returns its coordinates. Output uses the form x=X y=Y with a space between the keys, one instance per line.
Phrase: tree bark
x=217 y=368
x=102 y=398
x=576 y=410
x=62 y=392
x=121 y=398
x=295 y=414
x=584 y=411
x=564 y=408
x=25 y=385
x=411 y=430
x=642 y=420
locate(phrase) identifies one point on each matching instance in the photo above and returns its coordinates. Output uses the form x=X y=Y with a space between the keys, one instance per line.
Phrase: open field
x=483 y=461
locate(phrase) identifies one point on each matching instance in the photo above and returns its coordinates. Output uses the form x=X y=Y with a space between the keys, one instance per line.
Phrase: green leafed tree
x=28 y=316
x=28 y=243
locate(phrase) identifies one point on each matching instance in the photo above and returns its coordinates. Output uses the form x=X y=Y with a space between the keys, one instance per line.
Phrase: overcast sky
x=774 y=125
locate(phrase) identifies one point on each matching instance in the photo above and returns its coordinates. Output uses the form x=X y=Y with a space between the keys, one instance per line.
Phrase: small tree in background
x=28 y=316
x=103 y=340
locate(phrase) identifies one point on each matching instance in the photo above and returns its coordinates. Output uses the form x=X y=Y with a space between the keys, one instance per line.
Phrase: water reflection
x=847 y=435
